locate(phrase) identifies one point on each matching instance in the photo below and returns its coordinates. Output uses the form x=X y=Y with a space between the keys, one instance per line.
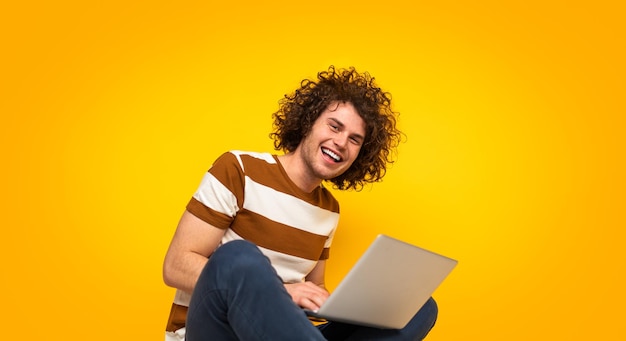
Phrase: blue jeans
x=239 y=296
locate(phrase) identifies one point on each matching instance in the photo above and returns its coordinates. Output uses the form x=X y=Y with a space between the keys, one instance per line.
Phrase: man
x=253 y=242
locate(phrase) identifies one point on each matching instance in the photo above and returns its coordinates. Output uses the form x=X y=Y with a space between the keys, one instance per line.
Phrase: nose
x=341 y=140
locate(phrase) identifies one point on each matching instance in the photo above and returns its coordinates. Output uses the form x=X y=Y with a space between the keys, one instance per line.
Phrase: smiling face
x=332 y=145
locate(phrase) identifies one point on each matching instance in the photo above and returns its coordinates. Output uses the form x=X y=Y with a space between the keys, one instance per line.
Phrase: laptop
x=387 y=286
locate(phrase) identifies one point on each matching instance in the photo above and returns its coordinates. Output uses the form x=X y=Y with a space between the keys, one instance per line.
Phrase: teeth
x=331 y=154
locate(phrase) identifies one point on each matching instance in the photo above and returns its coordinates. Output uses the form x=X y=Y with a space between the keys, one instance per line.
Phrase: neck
x=297 y=173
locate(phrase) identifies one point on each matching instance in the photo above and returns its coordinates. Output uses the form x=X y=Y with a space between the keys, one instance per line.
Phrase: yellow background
x=514 y=163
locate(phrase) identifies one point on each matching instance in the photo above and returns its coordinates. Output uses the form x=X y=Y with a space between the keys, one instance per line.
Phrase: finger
x=319 y=299
x=316 y=300
x=310 y=304
x=316 y=289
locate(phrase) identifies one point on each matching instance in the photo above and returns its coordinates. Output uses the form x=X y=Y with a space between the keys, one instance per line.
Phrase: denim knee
x=236 y=247
x=430 y=310
x=431 y=305
x=239 y=255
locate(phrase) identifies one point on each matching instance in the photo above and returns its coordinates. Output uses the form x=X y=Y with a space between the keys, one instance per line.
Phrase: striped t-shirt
x=251 y=197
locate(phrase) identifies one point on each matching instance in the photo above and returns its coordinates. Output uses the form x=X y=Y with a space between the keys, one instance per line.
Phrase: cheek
x=354 y=153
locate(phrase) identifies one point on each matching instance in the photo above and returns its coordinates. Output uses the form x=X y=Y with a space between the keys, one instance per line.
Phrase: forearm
x=182 y=270
x=192 y=244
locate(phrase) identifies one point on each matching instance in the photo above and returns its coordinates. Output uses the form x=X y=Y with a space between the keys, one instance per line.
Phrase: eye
x=333 y=127
x=355 y=141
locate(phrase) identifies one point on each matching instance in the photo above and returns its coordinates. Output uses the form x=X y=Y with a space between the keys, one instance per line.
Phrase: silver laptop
x=387 y=286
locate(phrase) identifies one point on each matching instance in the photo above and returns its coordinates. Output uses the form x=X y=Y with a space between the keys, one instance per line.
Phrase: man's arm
x=193 y=242
x=318 y=274
x=312 y=293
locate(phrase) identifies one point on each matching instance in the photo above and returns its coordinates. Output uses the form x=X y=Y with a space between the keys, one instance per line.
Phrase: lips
x=331 y=154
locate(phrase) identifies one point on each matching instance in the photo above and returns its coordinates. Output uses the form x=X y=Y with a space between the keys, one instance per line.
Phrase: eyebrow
x=339 y=123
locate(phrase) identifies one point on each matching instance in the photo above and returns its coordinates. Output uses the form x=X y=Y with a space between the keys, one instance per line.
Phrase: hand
x=307 y=295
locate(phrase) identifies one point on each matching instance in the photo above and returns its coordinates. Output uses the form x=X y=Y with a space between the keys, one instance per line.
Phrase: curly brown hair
x=298 y=111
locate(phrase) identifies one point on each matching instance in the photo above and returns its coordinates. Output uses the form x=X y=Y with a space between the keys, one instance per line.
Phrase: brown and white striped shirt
x=250 y=196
